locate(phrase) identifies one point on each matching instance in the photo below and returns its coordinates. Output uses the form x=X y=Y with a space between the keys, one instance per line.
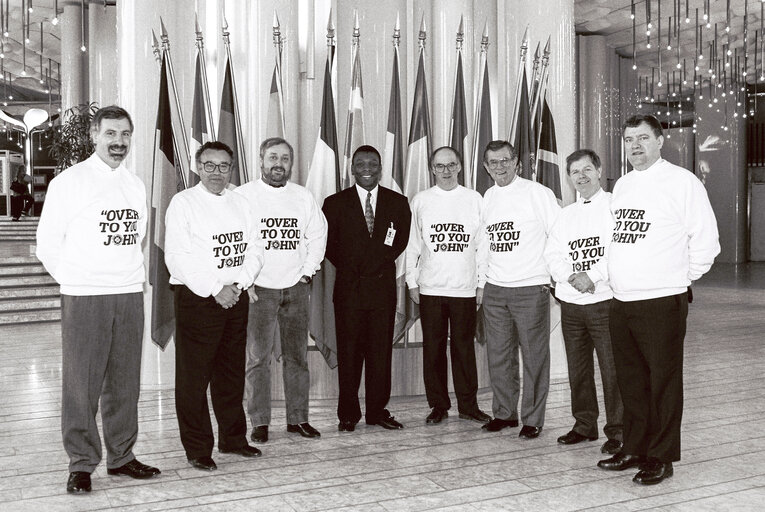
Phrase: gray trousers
x=101 y=359
x=290 y=308
x=513 y=318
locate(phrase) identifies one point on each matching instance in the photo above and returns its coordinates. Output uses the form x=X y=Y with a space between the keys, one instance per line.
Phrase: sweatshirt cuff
x=217 y=287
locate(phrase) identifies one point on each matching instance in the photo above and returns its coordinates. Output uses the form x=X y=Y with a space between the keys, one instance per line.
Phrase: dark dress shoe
x=477 y=415
x=134 y=469
x=346 y=426
x=304 y=429
x=203 y=463
x=529 y=432
x=498 y=424
x=574 y=438
x=78 y=482
x=260 y=434
x=437 y=415
x=611 y=447
x=653 y=472
x=387 y=422
x=244 y=451
x=620 y=462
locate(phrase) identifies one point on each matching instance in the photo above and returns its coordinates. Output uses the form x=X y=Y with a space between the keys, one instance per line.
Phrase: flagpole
x=482 y=63
x=460 y=38
x=237 y=120
x=203 y=68
x=166 y=52
x=278 y=45
x=535 y=76
x=521 y=65
x=540 y=93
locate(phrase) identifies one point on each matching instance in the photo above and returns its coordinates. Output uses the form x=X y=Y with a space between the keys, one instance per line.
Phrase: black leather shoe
x=620 y=462
x=477 y=415
x=387 y=422
x=437 y=415
x=346 y=426
x=203 y=463
x=653 y=472
x=611 y=447
x=304 y=429
x=529 y=432
x=134 y=469
x=244 y=451
x=574 y=438
x=78 y=482
x=260 y=434
x=498 y=424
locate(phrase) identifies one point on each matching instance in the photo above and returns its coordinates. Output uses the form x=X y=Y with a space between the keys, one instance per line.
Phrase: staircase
x=27 y=292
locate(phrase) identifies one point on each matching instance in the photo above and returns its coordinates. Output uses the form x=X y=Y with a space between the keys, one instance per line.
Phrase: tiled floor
x=454 y=466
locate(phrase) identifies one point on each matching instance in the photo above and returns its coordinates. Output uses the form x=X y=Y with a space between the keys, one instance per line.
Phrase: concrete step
x=26 y=304
x=19 y=260
x=17 y=238
x=20 y=269
x=26 y=280
x=23 y=292
x=35 y=315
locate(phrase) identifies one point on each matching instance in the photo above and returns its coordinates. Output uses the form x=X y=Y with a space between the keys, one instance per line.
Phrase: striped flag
x=275 y=126
x=482 y=128
x=417 y=174
x=165 y=182
x=393 y=156
x=354 y=132
x=199 y=123
x=227 y=123
x=458 y=137
x=548 y=170
x=524 y=139
x=324 y=180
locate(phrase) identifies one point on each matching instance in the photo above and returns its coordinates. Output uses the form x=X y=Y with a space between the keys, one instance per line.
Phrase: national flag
x=354 y=131
x=482 y=128
x=200 y=132
x=548 y=169
x=524 y=139
x=227 y=131
x=275 y=126
x=165 y=182
x=458 y=136
x=324 y=180
x=417 y=174
x=393 y=155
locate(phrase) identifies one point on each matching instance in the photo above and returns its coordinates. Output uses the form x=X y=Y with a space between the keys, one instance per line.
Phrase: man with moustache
x=665 y=238
x=577 y=258
x=213 y=253
x=514 y=289
x=89 y=239
x=368 y=229
x=442 y=279
x=295 y=234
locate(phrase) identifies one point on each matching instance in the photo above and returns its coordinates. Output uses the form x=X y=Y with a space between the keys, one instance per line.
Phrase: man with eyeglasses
x=513 y=282
x=213 y=253
x=368 y=230
x=442 y=279
x=295 y=235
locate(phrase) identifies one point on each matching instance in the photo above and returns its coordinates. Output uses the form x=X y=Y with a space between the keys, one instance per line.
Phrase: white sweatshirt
x=440 y=256
x=579 y=242
x=665 y=235
x=293 y=228
x=211 y=241
x=515 y=221
x=91 y=228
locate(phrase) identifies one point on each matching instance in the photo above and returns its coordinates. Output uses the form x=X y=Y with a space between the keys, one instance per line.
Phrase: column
x=74 y=62
x=102 y=52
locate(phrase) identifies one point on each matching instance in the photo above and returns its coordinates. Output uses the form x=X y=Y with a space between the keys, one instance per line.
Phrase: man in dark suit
x=368 y=230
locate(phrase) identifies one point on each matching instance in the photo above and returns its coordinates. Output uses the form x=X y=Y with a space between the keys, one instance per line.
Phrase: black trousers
x=647 y=337
x=210 y=349
x=438 y=314
x=364 y=341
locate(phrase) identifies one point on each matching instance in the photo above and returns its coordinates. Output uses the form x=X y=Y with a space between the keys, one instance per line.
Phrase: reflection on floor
x=451 y=466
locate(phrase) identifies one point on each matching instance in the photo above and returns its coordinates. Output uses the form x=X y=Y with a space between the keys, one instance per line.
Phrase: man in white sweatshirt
x=577 y=258
x=213 y=253
x=665 y=237
x=442 y=278
x=514 y=288
x=295 y=234
x=89 y=239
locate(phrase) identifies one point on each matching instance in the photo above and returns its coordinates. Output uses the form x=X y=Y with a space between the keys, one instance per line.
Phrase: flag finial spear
x=423 y=31
x=356 y=28
x=224 y=27
x=461 y=32
x=155 y=44
x=485 y=36
x=198 y=30
x=163 y=34
x=277 y=32
x=330 y=28
x=397 y=31
x=525 y=44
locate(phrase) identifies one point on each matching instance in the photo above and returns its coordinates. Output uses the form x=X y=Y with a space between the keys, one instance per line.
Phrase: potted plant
x=71 y=141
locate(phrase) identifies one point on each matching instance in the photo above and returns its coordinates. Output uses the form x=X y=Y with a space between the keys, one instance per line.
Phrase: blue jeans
x=289 y=307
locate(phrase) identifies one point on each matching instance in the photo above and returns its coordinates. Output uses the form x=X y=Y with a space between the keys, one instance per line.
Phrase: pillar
x=74 y=62
x=102 y=52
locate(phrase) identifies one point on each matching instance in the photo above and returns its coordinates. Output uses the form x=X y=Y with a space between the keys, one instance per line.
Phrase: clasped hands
x=582 y=282
x=228 y=296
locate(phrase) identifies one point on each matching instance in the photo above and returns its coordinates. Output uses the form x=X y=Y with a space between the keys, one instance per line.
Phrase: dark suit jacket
x=366 y=268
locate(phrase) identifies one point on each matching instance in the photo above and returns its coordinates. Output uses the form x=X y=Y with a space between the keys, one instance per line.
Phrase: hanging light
x=54 y=21
x=83 y=48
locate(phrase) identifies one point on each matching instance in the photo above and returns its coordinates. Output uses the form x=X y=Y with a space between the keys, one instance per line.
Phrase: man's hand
x=252 y=294
x=414 y=294
x=478 y=296
x=305 y=279
x=228 y=296
x=582 y=282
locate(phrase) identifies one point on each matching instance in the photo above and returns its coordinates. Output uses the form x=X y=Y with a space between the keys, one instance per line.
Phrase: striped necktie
x=369 y=215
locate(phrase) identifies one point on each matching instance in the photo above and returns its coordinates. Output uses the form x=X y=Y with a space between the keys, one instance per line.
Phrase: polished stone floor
x=453 y=466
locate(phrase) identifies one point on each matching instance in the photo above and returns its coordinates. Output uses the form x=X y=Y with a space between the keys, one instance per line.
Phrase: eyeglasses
x=496 y=164
x=452 y=166
x=211 y=167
